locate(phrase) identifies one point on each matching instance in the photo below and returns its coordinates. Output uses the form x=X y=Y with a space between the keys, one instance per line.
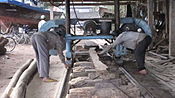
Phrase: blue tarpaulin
x=23 y=5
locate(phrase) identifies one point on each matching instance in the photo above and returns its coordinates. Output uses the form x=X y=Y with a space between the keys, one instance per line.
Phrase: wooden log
x=19 y=91
x=99 y=66
x=20 y=88
x=15 y=78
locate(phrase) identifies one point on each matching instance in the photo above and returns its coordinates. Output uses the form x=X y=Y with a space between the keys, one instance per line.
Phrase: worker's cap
x=42 y=17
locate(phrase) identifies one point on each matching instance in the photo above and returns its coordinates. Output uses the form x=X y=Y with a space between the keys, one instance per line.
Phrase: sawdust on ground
x=11 y=62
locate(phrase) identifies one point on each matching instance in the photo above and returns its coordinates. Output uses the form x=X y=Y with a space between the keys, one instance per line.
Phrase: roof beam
x=88 y=0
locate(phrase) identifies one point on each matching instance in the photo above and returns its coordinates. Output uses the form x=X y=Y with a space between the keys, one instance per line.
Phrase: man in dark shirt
x=42 y=42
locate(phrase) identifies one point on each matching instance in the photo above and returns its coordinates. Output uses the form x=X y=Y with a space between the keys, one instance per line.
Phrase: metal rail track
x=64 y=87
x=136 y=83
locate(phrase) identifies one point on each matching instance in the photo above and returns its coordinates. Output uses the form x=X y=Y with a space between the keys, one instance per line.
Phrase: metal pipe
x=68 y=42
x=68 y=49
x=95 y=3
x=88 y=37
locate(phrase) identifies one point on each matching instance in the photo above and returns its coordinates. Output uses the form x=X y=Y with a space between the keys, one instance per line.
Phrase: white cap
x=139 y=30
x=42 y=17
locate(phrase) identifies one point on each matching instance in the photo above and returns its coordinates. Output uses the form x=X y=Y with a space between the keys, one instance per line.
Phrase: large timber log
x=15 y=79
x=21 y=86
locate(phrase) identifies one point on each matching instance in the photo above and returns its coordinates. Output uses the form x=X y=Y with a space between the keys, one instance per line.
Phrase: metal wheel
x=89 y=28
x=10 y=46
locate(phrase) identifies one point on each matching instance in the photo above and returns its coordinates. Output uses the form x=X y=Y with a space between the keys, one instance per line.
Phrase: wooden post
x=166 y=10
x=67 y=16
x=117 y=14
x=51 y=13
x=150 y=7
x=171 y=28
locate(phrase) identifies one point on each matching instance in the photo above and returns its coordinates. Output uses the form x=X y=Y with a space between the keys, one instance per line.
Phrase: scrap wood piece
x=152 y=59
x=15 y=79
x=81 y=52
x=99 y=66
x=150 y=66
x=167 y=82
x=158 y=55
x=166 y=61
x=21 y=86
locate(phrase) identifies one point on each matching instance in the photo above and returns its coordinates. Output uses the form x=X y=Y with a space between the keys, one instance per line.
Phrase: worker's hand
x=102 y=52
x=68 y=64
x=106 y=49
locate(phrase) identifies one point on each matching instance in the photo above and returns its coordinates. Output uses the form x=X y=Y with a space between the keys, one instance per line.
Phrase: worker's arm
x=67 y=63
x=62 y=57
x=116 y=42
x=59 y=48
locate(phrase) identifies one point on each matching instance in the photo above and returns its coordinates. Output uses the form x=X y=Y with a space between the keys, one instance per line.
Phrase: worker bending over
x=136 y=41
x=42 y=42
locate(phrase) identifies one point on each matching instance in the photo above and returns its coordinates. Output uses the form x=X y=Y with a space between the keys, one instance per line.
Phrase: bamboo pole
x=15 y=78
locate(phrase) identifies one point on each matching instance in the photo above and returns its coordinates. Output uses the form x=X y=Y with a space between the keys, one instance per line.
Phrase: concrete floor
x=39 y=89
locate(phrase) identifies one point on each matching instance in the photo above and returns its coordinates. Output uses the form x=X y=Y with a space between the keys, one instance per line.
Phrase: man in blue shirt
x=136 y=41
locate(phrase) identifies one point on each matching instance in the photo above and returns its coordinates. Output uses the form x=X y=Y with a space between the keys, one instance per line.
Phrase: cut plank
x=99 y=66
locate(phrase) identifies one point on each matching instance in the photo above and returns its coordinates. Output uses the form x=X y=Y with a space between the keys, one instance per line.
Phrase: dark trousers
x=140 y=52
